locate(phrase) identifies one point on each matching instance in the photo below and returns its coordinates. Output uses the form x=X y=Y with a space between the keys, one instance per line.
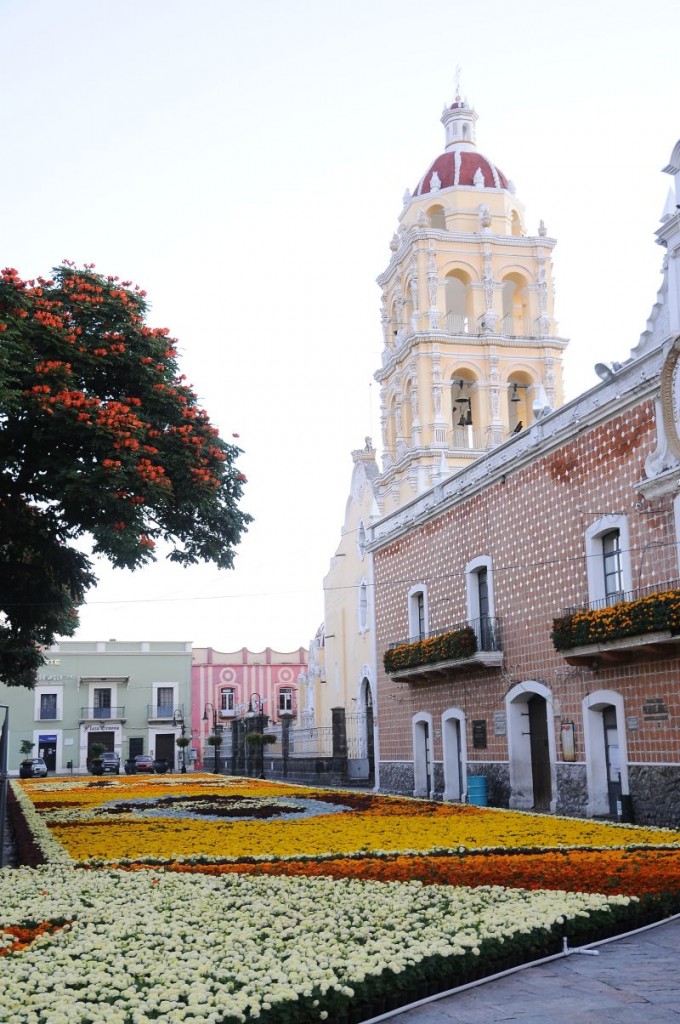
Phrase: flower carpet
x=203 y=899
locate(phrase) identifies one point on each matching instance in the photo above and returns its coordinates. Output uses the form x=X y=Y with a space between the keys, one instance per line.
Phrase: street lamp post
x=4 y=750
x=217 y=733
x=178 y=720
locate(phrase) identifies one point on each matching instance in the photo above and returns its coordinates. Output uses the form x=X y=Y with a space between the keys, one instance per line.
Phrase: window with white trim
x=227 y=700
x=418 y=615
x=608 y=559
x=48 y=707
x=363 y=606
x=361 y=539
x=611 y=565
x=286 y=700
x=480 y=601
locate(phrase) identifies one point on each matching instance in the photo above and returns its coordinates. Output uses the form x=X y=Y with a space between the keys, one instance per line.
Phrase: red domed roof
x=459 y=167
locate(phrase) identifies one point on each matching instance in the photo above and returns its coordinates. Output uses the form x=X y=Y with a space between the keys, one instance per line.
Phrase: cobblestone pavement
x=632 y=980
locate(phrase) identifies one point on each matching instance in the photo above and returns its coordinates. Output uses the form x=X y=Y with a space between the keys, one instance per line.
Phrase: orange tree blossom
x=99 y=435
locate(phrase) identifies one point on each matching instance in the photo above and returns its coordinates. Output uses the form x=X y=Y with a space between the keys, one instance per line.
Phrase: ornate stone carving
x=435 y=182
x=484 y=216
x=414 y=293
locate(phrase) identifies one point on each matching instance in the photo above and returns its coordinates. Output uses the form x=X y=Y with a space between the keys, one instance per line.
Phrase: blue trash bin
x=477 y=790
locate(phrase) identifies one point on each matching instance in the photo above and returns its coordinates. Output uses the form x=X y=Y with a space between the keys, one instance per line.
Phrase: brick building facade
x=580 y=511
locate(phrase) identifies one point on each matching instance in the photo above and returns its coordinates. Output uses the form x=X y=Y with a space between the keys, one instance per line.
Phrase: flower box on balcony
x=646 y=624
x=459 y=643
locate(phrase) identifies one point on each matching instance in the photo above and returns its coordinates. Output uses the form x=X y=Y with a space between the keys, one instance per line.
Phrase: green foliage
x=25 y=747
x=260 y=739
x=651 y=614
x=457 y=643
x=99 y=436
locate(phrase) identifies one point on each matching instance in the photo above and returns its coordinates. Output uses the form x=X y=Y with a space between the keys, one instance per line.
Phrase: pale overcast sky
x=245 y=164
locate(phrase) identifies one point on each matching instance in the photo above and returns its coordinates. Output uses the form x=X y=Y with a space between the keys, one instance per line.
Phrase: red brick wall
x=533 y=527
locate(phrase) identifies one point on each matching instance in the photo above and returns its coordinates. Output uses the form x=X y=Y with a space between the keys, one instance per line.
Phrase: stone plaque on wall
x=500 y=723
x=655 y=710
x=479 y=734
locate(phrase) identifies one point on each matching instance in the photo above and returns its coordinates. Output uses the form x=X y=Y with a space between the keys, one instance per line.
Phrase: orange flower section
x=627 y=872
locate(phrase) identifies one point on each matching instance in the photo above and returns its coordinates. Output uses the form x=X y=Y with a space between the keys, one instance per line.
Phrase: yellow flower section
x=86 y=792
x=388 y=823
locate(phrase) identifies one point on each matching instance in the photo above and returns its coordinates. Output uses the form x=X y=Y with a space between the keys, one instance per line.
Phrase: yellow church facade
x=471 y=350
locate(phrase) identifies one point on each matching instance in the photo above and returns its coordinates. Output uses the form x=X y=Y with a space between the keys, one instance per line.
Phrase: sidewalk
x=632 y=980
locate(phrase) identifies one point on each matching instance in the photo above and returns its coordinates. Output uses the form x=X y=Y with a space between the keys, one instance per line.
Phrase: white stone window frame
x=165 y=685
x=362 y=606
x=472 y=586
x=414 y=632
x=285 y=707
x=676 y=520
x=48 y=690
x=361 y=539
x=227 y=700
x=595 y=555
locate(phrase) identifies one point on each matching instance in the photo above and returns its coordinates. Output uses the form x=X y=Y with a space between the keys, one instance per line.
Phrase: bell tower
x=471 y=352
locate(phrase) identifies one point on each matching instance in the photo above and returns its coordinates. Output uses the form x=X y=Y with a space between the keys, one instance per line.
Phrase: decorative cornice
x=467 y=341
x=476 y=239
x=637 y=381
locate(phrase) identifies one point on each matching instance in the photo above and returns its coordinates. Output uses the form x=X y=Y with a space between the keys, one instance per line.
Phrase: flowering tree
x=99 y=435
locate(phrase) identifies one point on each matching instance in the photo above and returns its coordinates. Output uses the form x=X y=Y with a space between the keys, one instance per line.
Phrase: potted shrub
x=96 y=750
x=183 y=742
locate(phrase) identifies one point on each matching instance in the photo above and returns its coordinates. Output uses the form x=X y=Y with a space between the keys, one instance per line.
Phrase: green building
x=130 y=697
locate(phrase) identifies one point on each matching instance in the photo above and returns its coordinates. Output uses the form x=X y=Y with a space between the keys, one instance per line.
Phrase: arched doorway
x=455 y=754
x=367 y=723
x=606 y=752
x=531 y=743
x=422 y=755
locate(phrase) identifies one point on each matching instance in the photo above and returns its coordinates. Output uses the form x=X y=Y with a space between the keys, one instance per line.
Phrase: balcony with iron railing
x=634 y=624
x=475 y=643
x=116 y=714
x=164 y=712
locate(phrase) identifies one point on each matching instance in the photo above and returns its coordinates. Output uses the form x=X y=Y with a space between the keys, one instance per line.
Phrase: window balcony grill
x=163 y=712
x=116 y=714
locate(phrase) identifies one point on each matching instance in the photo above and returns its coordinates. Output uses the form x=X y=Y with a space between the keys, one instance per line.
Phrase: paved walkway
x=632 y=980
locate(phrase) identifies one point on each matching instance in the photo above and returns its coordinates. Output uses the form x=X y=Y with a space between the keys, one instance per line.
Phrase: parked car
x=106 y=763
x=33 y=768
x=110 y=762
x=144 y=763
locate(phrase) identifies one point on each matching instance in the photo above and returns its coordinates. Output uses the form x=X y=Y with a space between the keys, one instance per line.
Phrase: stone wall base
x=655 y=794
x=572 y=790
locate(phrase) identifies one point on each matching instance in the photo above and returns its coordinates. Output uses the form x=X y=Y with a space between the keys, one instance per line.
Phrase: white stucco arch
x=594 y=742
x=519 y=743
x=454 y=743
x=423 y=764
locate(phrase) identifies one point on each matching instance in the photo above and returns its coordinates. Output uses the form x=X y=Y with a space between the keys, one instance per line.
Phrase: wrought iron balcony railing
x=642 y=623
x=96 y=714
x=164 y=711
x=477 y=641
